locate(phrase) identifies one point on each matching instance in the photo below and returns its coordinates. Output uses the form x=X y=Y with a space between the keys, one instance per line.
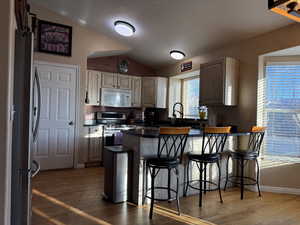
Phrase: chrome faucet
x=178 y=111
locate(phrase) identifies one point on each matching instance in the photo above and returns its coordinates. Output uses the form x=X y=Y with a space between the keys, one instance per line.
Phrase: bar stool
x=243 y=157
x=171 y=144
x=213 y=141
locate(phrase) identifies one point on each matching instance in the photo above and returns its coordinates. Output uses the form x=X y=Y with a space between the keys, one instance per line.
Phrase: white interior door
x=54 y=148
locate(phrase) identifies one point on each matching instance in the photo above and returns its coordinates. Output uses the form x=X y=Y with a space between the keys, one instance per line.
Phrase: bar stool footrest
x=238 y=178
x=162 y=199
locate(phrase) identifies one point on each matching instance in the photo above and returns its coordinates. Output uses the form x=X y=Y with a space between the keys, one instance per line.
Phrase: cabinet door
x=211 y=83
x=136 y=91
x=85 y=144
x=161 y=92
x=148 y=91
x=95 y=144
x=109 y=80
x=124 y=82
x=94 y=78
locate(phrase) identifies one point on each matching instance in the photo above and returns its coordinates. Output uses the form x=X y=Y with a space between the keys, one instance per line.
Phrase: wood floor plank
x=74 y=197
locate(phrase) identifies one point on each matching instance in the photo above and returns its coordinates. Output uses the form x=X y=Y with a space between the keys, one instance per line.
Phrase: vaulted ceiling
x=192 y=26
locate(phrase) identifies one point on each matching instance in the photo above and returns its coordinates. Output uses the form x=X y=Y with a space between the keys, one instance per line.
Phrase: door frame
x=77 y=107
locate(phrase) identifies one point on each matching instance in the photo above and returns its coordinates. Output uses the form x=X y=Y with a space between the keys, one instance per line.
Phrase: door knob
x=71 y=123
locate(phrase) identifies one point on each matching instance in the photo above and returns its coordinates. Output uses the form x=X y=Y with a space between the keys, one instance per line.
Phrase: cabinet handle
x=87 y=101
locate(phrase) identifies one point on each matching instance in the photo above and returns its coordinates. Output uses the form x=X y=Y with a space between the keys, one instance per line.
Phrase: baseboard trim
x=281 y=190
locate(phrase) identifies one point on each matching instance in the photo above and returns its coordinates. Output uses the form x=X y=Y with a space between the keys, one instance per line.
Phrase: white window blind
x=191 y=90
x=279 y=110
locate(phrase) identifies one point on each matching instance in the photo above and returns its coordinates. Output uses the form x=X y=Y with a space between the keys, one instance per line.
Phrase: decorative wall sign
x=54 y=38
x=186 y=66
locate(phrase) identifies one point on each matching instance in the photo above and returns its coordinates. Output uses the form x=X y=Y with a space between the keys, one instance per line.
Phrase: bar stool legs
x=153 y=173
x=202 y=168
x=152 y=192
x=169 y=185
x=227 y=165
x=177 y=188
x=219 y=182
x=257 y=177
x=187 y=181
x=241 y=178
x=201 y=184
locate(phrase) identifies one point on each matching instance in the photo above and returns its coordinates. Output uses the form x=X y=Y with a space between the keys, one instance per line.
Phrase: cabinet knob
x=71 y=123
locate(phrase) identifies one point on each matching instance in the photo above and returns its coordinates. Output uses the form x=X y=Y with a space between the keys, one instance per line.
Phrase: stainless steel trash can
x=117 y=173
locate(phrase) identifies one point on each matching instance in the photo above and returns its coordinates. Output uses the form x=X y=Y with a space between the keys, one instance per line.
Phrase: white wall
x=7 y=25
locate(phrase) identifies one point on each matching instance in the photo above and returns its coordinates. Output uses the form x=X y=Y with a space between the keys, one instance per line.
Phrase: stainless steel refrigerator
x=25 y=128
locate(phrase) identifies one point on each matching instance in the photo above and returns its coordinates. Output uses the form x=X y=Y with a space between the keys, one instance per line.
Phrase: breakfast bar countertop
x=154 y=132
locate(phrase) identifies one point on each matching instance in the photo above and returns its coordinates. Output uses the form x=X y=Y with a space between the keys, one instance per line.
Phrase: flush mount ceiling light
x=178 y=55
x=123 y=28
x=287 y=8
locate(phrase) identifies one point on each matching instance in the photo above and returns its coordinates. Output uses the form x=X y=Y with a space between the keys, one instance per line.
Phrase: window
x=190 y=96
x=279 y=110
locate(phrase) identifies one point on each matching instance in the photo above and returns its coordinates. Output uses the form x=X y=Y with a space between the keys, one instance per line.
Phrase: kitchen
x=107 y=95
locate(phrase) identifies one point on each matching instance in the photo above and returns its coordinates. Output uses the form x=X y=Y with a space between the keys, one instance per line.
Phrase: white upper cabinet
x=136 y=92
x=109 y=80
x=118 y=81
x=124 y=82
x=154 y=92
x=93 y=87
x=219 y=82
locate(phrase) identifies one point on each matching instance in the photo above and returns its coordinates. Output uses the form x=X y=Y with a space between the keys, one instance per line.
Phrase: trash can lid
x=117 y=149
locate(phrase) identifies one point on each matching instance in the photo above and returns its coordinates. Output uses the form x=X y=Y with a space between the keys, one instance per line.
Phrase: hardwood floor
x=73 y=197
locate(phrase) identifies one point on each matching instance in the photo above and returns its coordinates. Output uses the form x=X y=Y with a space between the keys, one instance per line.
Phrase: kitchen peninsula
x=144 y=141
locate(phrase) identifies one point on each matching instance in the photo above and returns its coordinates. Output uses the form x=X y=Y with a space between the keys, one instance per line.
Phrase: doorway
x=55 y=145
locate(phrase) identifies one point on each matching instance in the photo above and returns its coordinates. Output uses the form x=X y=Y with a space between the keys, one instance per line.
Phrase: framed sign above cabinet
x=54 y=38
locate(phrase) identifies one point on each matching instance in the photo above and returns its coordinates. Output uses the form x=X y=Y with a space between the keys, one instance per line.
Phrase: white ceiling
x=192 y=26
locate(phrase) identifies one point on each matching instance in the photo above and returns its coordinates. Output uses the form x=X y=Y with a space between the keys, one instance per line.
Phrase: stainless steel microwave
x=115 y=97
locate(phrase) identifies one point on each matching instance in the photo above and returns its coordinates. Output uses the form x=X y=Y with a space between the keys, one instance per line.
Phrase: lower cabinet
x=93 y=144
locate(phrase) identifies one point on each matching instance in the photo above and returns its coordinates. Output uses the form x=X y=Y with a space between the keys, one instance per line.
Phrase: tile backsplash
x=133 y=113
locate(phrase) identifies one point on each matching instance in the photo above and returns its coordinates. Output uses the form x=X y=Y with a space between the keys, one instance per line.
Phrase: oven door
x=115 y=97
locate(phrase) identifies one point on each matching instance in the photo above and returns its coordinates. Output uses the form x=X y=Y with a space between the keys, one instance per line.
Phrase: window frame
x=261 y=107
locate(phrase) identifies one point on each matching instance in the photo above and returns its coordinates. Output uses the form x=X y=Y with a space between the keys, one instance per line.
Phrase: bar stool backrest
x=214 y=139
x=256 y=139
x=171 y=142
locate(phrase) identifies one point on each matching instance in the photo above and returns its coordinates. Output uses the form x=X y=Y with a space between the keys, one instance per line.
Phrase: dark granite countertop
x=154 y=133
x=190 y=123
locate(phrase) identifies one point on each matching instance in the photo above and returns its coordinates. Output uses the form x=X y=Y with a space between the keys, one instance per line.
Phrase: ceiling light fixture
x=123 y=28
x=287 y=8
x=178 y=55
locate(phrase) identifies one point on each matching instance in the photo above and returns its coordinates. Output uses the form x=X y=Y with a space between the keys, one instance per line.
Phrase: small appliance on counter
x=152 y=116
x=114 y=123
